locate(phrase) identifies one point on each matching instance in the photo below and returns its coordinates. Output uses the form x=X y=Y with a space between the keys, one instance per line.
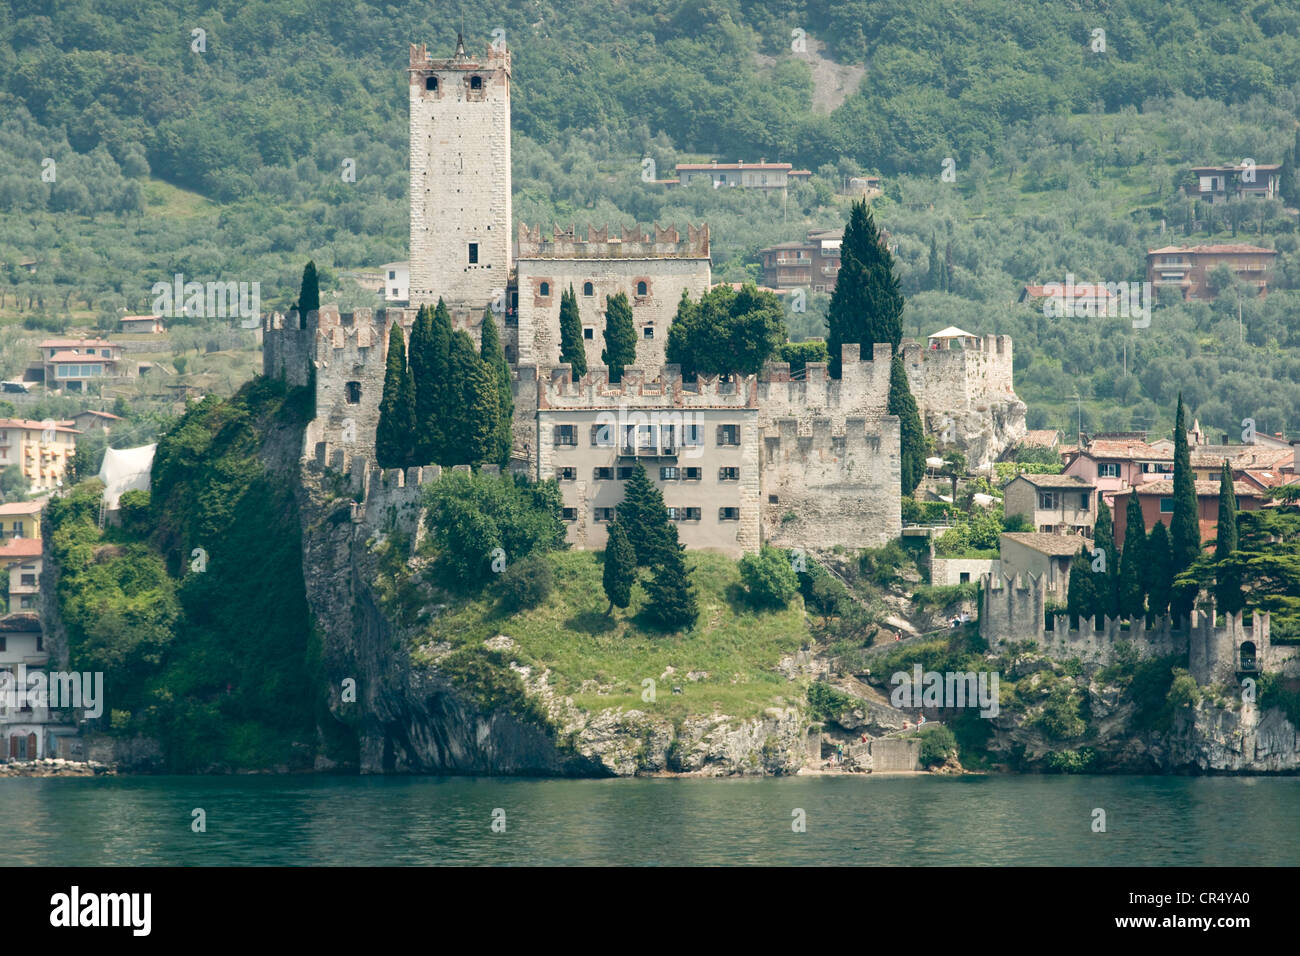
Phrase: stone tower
x=460 y=176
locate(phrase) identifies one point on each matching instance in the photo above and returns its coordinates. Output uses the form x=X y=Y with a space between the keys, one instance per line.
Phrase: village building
x=812 y=264
x=74 y=364
x=1039 y=556
x=90 y=420
x=761 y=175
x=1188 y=268
x=1156 y=499
x=396 y=281
x=27 y=731
x=42 y=450
x=1053 y=504
x=1222 y=183
x=143 y=324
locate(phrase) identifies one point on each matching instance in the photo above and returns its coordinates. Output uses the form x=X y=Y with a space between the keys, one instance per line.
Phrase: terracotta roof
x=73 y=343
x=1110 y=448
x=1235 y=249
x=20 y=622
x=698 y=167
x=1090 y=289
x=1204 y=489
x=37 y=426
x=20 y=548
x=1269 y=479
x=141 y=318
x=1055 y=481
x=1043 y=437
x=60 y=357
x=1235 y=168
x=1058 y=545
x=21 y=507
x=98 y=414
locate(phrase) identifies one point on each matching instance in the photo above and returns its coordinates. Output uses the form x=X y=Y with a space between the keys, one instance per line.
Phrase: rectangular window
x=569 y=514
x=728 y=474
x=965 y=577
x=18 y=529
x=670 y=473
x=1166 y=506
x=692 y=436
x=1085 y=501
x=683 y=514
x=602 y=436
x=626 y=472
x=1108 y=469
x=693 y=474
x=648 y=332
x=692 y=514
x=603 y=474
x=473 y=253
x=566 y=474
x=728 y=514
x=1047 y=499
x=29 y=580
x=566 y=435
x=605 y=514
x=728 y=434
x=646 y=437
x=588 y=333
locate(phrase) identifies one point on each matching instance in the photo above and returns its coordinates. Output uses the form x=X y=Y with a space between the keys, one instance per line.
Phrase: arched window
x=642 y=288
x=588 y=289
x=476 y=82
x=1248 y=662
x=544 y=289
x=431 y=83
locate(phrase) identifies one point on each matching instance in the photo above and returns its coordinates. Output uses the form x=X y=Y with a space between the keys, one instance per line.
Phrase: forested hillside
x=221 y=159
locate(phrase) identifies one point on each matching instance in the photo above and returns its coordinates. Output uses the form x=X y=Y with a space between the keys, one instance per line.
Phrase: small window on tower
x=473 y=252
x=641 y=288
x=588 y=289
x=544 y=289
x=431 y=83
x=476 y=82
x=353 y=393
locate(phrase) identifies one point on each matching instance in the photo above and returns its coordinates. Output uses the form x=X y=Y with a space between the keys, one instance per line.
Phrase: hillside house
x=1222 y=183
x=1188 y=268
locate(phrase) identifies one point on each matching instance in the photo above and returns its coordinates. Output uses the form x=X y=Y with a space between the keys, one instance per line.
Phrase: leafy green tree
x=473 y=414
x=620 y=568
x=13 y=484
x=867 y=306
x=394 y=435
x=572 y=349
x=1081 y=599
x=472 y=515
x=495 y=358
x=1228 y=596
x=910 y=431
x=620 y=337
x=670 y=596
x=934 y=276
x=799 y=354
x=768 y=577
x=309 y=297
x=1184 y=525
x=954 y=466
x=726 y=331
x=434 y=390
x=1160 y=576
x=644 y=517
x=1132 y=562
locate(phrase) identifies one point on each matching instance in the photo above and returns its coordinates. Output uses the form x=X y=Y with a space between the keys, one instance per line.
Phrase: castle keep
x=795 y=460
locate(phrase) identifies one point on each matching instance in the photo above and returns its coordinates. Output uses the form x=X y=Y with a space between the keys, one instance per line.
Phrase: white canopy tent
x=123 y=470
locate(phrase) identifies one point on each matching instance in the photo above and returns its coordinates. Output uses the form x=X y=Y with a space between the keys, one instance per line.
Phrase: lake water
x=891 y=820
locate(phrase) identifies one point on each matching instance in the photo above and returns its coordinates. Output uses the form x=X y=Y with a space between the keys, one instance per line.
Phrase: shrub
x=769 y=578
x=827 y=703
x=937 y=744
x=883 y=565
x=526 y=584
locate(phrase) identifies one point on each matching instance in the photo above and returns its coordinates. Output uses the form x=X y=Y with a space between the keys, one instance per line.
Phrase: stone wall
x=945 y=572
x=895 y=754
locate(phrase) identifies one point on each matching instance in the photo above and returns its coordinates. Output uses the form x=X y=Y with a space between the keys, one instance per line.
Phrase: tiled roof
x=1053 y=544
x=21 y=507
x=1207 y=489
x=1044 y=437
x=1109 y=448
x=20 y=548
x=36 y=426
x=1235 y=249
x=1055 y=481
x=697 y=167
x=20 y=622
x=74 y=343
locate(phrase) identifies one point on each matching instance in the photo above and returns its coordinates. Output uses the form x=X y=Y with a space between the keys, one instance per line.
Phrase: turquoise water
x=898 y=820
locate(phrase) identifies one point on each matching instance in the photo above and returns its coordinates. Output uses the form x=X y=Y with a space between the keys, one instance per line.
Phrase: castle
x=1013 y=610
x=793 y=460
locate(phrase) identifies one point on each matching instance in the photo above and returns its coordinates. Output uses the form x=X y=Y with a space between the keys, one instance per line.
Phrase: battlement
x=630 y=243
x=594 y=391
x=861 y=391
x=784 y=440
x=493 y=58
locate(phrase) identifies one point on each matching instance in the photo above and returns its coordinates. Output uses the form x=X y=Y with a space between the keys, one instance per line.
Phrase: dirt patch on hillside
x=833 y=83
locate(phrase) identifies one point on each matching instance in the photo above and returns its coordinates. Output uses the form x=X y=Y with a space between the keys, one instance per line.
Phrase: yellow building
x=43 y=450
x=20 y=519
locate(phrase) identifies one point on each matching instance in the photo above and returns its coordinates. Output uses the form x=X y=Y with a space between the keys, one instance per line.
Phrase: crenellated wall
x=861 y=391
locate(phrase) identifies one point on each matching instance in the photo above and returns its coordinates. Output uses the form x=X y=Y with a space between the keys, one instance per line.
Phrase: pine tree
x=1228 y=596
x=1081 y=598
x=620 y=337
x=910 y=431
x=670 y=597
x=1103 y=534
x=393 y=435
x=620 y=568
x=644 y=517
x=472 y=411
x=934 y=280
x=947 y=268
x=492 y=354
x=1184 y=526
x=1132 y=562
x=1159 y=568
x=572 y=349
x=866 y=306
x=309 y=297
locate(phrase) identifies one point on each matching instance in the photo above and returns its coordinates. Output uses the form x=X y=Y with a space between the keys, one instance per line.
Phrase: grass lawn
x=570 y=634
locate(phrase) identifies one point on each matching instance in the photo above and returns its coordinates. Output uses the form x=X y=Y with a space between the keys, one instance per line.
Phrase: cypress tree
x=644 y=517
x=910 y=431
x=620 y=568
x=866 y=306
x=1159 y=571
x=670 y=596
x=472 y=411
x=934 y=279
x=620 y=337
x=309 y=296
x=1081 y=599
x=427 y=440
x=440 y=396
x=1106 y=580
x=1132 y=562
x=393 y=435
x=572 y=349
x=1184 y=526
x=1228 y=596
x=495 y=358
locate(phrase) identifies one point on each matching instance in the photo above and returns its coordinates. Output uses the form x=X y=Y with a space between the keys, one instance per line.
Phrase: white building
x=397 y=281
